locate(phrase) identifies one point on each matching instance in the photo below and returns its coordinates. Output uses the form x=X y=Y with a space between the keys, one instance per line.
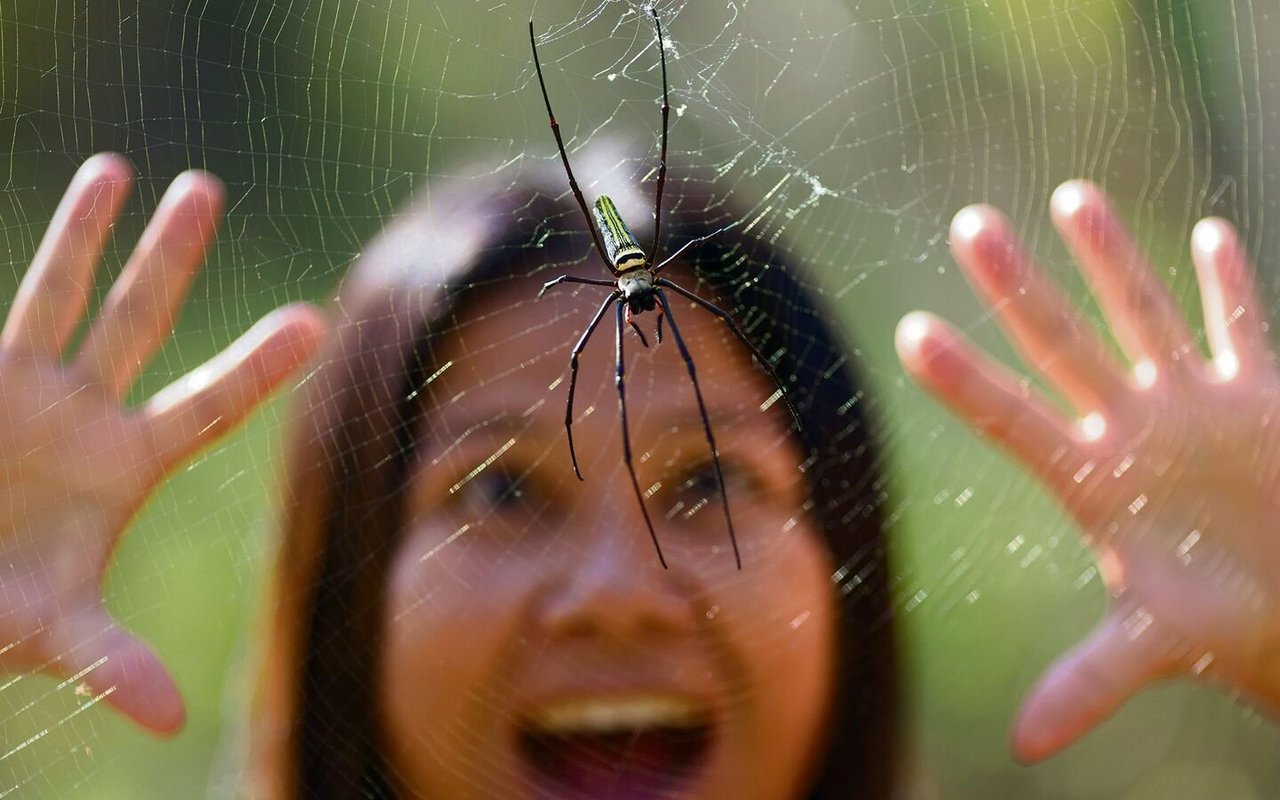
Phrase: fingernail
x=1069 y=198
x=912 y=329
x=967 y=223
x=1212 y=240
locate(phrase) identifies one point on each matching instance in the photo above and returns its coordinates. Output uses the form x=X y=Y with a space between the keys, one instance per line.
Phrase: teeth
x=596 y=716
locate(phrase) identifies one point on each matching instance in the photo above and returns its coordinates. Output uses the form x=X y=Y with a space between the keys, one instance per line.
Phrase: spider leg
x=555 y=129
x=639 y=333
x=742 y=337
x=573 y=375
x=620 y=380
x=659 y=325
x=574 y=279
x=706 y=423
x=662 y=159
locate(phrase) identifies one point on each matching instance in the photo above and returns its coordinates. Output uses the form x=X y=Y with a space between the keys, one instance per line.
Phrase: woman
x=414 y=312
x=442 y=593
x=380 y=429
x=400 y=661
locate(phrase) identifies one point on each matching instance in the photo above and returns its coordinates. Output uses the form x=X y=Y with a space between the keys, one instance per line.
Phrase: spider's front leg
x=741 y=336
x=620 y=380
x=573 y=372
x=706 y=423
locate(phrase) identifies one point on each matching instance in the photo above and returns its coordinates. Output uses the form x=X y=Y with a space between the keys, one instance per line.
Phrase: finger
x=987 y=397
x=1046 y=328
x=141 y=308
x=119 y=669
x=1233 y=317
x=215 y=397
x=52 y=296
x=1085 y=686
x=1146 y=321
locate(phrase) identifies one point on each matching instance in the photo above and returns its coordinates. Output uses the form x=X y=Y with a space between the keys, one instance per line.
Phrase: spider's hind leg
x=573 y=279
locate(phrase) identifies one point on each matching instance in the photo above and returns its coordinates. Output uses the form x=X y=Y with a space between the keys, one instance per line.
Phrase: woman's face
x=536 y=648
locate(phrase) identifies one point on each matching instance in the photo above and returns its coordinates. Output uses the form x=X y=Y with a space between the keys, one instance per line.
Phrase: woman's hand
x=75 y=464
x=1171 y=466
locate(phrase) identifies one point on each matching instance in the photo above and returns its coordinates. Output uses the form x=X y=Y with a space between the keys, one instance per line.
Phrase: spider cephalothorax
x=636 y=288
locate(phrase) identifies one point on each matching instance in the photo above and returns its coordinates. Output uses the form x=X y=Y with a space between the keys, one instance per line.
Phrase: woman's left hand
x=1171 y=466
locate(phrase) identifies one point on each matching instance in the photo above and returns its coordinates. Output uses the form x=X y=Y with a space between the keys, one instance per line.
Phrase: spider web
x=851 y=131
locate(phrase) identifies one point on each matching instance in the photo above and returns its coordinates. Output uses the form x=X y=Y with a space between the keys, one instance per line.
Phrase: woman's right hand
x=1168 y=461
x=75 y=463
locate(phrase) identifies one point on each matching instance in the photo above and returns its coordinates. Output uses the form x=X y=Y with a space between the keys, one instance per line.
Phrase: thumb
x=119 y=669
x=1085 y=686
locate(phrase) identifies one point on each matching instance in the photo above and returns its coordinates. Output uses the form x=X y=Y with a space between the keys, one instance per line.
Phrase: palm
x=75 y=463
x=1177 y=492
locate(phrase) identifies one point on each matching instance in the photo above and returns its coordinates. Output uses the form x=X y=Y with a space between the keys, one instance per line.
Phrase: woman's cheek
x=446 y=636
x=798 y=653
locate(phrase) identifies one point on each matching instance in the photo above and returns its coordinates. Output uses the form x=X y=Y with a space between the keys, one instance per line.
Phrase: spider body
x=637 y=287
x=638 y=290
x=622 y=250
x=625 y=257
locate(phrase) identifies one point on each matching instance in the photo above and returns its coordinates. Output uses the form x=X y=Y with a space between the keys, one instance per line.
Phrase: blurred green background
x=854 y=129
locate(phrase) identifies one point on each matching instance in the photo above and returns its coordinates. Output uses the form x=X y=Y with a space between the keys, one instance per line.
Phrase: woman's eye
x=703 y=483
x=701 y=486
x=494 y=489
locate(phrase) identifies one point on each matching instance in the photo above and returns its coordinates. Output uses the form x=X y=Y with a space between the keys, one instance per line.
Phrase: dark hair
x=354 y=446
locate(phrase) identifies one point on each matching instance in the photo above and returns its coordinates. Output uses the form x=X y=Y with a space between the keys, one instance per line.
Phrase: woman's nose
x=616 y=587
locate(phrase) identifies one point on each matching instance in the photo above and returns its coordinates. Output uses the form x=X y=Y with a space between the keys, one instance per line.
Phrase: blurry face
x=536 y=647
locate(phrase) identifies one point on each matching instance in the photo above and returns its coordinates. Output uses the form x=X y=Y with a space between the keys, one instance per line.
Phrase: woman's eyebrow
x=505 y=419
x=475 y=429
x=751 y=423
x=514 y=427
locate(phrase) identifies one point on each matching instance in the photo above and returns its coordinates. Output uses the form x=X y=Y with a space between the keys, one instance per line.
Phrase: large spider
x=636 y=288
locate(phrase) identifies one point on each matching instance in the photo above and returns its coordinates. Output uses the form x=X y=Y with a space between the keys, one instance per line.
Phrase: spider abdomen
x=620 y=243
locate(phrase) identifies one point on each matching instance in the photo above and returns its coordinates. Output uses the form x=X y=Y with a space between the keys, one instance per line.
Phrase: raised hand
x=75 y=463
x=1171 y=465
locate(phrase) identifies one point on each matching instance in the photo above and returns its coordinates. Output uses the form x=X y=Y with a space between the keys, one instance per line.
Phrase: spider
x=636 y=288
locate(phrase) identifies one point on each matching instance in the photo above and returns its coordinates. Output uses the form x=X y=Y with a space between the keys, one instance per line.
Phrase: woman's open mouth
x=636 y=747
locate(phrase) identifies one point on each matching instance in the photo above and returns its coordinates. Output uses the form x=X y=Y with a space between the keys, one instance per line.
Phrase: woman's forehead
x=513 y=350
